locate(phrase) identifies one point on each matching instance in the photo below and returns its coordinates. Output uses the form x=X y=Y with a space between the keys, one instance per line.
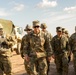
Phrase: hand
x=26 y=58
x=49 y=58
x=53 y=56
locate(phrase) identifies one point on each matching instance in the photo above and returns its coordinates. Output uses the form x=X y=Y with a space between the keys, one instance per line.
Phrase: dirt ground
x=18 y=67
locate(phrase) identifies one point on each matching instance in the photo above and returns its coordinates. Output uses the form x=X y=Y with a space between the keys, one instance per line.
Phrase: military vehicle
x=14 y=31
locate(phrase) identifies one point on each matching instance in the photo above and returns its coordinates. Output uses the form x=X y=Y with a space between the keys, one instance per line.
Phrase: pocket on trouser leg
x=65 y=65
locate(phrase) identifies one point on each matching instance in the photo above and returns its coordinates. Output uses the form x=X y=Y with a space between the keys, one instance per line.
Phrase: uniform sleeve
x=52 y=44
x=48 y=47
x=21 y=49
x=67 y=44
x=70 y=42
x=26 y=46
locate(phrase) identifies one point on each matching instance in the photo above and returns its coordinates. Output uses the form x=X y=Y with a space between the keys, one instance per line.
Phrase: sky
x=52 y=12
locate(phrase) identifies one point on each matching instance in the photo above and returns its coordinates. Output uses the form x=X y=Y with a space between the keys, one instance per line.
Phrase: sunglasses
x=36 y=26
x=59 y=31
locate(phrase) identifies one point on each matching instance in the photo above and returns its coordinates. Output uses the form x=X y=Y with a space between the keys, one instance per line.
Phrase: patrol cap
x=66 y=32
x=28 y=27
x=43 y=25
x=36 y=23
x=63 y=30
x=59 y=29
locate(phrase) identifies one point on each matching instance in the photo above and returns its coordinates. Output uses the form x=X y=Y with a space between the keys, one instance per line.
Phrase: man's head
x=63 y=30
x=59 y=30
x=43 y=26
x=36 y=26
x=28 y=28
x=66 y=32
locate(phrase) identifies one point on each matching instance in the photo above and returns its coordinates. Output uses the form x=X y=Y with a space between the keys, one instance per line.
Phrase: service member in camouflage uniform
x=5 y=64
x=40 y=48
x=44 y=29
x=60 y=46
x=66 y=34
x=28 y=29
x=72 y=41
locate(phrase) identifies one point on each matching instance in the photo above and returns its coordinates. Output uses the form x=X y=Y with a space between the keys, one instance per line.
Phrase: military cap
x=58 y=29
x=66 y=32
x=63 y=30
x=28 y=27
x=36 y=23
x=43 y=25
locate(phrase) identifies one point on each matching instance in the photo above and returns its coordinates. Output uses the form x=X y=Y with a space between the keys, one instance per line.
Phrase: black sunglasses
x=59 y=31
x=36 y=26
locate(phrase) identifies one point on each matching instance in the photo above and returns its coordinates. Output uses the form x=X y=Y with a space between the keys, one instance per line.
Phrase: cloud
x=57 y=18
x=3 y=12
x=19 y=7
x=47 y=3
x=70 y=9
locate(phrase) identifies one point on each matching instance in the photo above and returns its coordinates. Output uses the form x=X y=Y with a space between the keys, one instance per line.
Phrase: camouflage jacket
x=60 y=45
x=23 y=44
x=72 y=41
x=48 y=35
x=37 y=44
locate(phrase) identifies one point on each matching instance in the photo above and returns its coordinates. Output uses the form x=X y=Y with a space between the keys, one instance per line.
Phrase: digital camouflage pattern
x=72 y=41
x=43 y=27
x=26 y=64
x=40 y=48
x=5 y=64
x=60 y=48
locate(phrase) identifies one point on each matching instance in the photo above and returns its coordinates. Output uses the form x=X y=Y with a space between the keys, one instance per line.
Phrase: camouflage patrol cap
x=36 y=23
x=28 y=27
x=63 y=30
x=59 y=29
x=43 y=25
x=66 y=32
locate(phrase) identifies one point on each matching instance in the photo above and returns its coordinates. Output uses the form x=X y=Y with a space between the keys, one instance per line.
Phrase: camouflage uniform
x=5 y=64
x=40 y=48
x=43 y=27
x=72 y=41
x=27 y=28
x=60 y=47
x=66 y=34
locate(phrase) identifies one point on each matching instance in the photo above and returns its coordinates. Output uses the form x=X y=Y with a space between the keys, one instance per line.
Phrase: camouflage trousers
x=61 y=62
x=5 y=65
x=37 y=67
x=74 y=60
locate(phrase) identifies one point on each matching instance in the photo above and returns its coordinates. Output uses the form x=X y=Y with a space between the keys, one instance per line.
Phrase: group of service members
x=38 y=46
